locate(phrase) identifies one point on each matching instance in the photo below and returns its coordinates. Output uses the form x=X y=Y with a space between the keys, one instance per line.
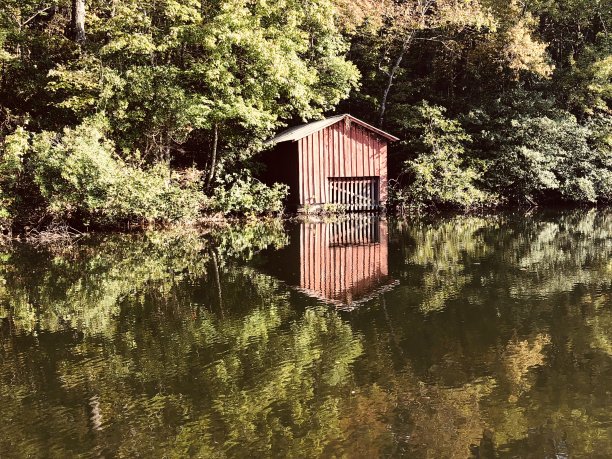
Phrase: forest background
x=123 y=111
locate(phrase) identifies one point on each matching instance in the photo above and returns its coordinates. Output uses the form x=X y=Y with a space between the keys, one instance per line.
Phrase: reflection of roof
x=388 y=285
x=303 y=130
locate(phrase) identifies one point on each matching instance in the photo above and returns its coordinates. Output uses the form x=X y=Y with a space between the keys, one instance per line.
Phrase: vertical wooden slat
x=349 y=153
x=364 y=194
x=312 y=168
x=304 y=170
x=341 y=150
x=300 y=172
x=317 y=165
x=342 y=143
x=325 y=178
x=368 y=157
x=331 y=151
x=307 y=169
x=383 y=175
x=324 y=159
x=358 y=152
x=377 y=159
x=364 y=151
x=371 y=156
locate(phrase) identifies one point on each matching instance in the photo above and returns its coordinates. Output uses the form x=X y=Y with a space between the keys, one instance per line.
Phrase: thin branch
x=35 y=15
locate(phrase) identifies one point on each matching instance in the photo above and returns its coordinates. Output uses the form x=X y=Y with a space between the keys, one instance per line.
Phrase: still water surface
x=451 y=337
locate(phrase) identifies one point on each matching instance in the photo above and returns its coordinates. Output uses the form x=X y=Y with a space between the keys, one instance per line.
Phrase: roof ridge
x=303 y=130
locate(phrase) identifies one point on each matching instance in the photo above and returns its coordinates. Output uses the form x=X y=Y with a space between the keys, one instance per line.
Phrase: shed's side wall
x=339 y=150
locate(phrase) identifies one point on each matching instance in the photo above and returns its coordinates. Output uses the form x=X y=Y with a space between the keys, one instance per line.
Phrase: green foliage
x=181 y=82
x=241 y=242
x=439 y=175
x=168 y=73
x=77 y=177
x=202 y=84
x=586 y=86
x=11 y=167
x=248 y=196
x=537 y=153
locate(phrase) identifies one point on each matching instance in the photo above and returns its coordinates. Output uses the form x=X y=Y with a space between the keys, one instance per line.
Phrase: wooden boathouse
x=339 y=160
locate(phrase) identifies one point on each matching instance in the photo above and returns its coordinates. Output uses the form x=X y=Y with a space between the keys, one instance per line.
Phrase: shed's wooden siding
x=341 y=150
x=343 y=263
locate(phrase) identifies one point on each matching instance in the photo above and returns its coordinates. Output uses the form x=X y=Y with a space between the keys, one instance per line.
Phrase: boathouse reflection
x=346 y=262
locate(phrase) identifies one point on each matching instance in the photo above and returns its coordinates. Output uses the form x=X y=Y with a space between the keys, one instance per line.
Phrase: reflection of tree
x=508 y=370
x=518 y=358
x=166 y=373
x=291 y=404
x=531 y=256
x=522 y=312
x=555 y=256
x=600 y=322
x=81 y=286
x=445 y=251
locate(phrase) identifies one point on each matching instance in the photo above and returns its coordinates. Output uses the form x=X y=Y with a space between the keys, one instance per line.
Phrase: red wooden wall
x=346 y=264
x=343 y=149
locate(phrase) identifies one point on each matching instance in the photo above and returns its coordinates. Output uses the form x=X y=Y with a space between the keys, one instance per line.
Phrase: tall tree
x=78 y=21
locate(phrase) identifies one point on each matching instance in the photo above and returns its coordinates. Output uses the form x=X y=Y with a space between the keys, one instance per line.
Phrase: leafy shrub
x=439 y=175
x=536 y=153
x=549 y=156
x=246 y=195
x=11 y=172
x=77 y=177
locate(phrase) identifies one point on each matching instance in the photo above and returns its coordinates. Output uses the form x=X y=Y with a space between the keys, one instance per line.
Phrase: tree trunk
x=78 y=21
x=392 y=74
x=213 y=157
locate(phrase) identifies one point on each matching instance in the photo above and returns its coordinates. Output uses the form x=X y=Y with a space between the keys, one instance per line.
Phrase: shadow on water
x=454 y=337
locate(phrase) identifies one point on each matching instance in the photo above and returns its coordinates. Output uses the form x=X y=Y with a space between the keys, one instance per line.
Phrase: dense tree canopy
x=526 y=88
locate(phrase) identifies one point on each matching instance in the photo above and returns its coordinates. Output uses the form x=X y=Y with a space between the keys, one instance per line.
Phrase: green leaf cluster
x=440 y=175
x=248 y=196
x=76 y=175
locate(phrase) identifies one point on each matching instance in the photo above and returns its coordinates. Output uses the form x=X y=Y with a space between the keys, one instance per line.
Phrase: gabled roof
x=303 y=130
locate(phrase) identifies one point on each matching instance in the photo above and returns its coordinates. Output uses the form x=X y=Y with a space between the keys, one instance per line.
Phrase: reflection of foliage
x=204 y=358
x=445 y=250
x=449 y=254
x=242 y=241
x=286 y=406
x=81 y=287
x=163 y=374
x=600 y=324
x=525 y=282
x=519 y=357
x=548 y=267
x=448 y=421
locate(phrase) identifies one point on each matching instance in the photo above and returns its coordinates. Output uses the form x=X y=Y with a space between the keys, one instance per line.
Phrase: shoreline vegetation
x=62 y=233
x=121 y=115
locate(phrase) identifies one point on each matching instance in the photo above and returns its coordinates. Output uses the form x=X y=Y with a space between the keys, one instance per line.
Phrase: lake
x=428 y=338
